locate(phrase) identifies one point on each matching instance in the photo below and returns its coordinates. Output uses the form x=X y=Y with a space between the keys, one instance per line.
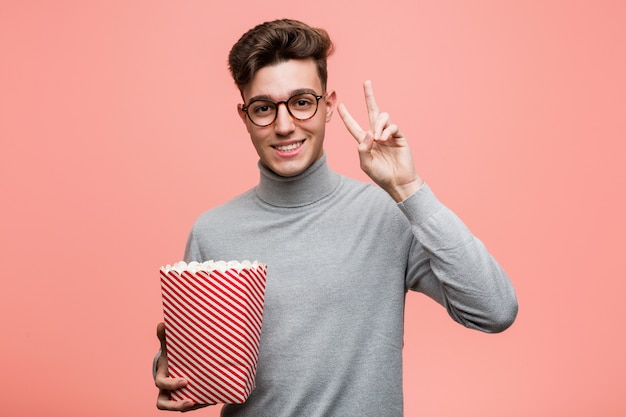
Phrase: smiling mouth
x=288 y=148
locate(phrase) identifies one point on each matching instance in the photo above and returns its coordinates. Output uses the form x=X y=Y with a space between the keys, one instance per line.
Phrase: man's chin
x=288 y=169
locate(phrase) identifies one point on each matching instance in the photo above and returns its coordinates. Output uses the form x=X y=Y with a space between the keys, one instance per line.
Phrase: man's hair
x=278 y=41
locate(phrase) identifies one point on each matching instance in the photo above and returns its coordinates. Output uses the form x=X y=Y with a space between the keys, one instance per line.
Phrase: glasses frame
x=244 y=108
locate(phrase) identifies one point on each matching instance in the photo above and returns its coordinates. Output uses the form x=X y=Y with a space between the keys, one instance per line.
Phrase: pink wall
x=118 y=127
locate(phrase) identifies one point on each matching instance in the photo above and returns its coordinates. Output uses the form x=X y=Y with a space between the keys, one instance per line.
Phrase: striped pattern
x=213 y=325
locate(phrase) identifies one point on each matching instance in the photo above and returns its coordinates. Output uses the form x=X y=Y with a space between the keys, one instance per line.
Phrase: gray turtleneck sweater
x=341 y=256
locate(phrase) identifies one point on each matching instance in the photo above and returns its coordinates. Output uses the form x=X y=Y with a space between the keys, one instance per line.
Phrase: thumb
x=161 y=335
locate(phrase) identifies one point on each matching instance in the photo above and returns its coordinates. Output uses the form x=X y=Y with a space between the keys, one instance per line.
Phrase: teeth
x=291 y=147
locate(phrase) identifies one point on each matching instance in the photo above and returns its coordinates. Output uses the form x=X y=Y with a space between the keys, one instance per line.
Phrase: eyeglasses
x=301 y=106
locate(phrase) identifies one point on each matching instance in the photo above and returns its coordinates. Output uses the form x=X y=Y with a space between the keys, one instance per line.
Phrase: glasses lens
x=262 y=112
x=302 y=106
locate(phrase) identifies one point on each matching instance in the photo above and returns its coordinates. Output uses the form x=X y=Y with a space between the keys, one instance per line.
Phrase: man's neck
x=313 y=184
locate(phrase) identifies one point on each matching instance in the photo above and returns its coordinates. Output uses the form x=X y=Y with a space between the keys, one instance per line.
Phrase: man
x=341 y=254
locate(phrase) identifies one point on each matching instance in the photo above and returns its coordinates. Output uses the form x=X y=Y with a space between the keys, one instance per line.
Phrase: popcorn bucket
x=213 y=313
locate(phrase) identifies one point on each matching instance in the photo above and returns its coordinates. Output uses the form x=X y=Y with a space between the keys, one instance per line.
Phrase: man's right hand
x=165 y=384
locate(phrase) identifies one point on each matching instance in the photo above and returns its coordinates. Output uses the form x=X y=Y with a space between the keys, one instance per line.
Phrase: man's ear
x=242 y=114
x=331 y=104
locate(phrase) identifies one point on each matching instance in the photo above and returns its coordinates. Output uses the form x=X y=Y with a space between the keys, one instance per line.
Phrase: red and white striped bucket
x=213 y=314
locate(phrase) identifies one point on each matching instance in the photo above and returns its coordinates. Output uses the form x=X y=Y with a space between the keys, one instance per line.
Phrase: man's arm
x=447 y=262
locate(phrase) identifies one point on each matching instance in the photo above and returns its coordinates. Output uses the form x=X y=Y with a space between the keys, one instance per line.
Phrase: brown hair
x=277 y=41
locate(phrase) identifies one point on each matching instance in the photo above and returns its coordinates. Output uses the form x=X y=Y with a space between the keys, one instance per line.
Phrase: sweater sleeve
x=449 y=264
x=192 y=249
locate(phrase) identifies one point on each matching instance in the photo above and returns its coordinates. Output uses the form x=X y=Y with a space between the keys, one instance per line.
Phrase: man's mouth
x=288 y=148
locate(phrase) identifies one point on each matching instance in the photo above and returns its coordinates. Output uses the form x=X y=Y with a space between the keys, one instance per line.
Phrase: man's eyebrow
x=292 y=93
x=260 y=97
x=303 y=91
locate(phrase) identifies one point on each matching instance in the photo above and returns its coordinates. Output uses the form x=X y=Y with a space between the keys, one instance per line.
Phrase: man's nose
x=284 y=123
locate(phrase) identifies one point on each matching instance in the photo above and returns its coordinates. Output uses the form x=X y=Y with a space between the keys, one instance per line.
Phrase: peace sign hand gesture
x=383 y=150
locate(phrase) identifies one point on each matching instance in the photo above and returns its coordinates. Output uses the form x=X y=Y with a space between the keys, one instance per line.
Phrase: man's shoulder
x=358 y=190
x=232 y=207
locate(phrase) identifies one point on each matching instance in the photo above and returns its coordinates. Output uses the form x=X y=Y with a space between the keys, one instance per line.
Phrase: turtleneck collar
x=313 y=184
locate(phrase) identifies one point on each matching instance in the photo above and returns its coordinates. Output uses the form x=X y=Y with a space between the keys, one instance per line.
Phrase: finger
x=380 y=124
x=161 y=335
x=370 y=101
x=195 y=407
x=391 y=131
x=162 y=379
x=353 y=127
x=169 y=384
x=165 y=402
x=161 y=364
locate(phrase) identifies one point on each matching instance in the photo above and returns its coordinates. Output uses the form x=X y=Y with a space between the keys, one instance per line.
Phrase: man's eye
x=302 y=103
x=262 y=109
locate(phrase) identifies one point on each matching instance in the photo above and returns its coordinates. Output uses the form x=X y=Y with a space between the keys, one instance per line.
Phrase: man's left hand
x=383 y=150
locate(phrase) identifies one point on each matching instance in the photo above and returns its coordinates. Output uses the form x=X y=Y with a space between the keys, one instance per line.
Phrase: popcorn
x=213 y=314
x=209 y=266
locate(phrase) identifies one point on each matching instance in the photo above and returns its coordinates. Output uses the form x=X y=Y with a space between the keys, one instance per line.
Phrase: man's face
x=288 y=146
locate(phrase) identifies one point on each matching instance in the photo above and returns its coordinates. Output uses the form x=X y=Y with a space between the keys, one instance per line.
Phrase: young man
x=341 y=254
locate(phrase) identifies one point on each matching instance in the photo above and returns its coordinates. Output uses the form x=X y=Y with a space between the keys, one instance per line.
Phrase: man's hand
x=383 y=150
x=165 y=384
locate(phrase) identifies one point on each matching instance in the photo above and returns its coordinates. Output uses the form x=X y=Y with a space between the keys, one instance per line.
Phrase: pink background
x=118 y=128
